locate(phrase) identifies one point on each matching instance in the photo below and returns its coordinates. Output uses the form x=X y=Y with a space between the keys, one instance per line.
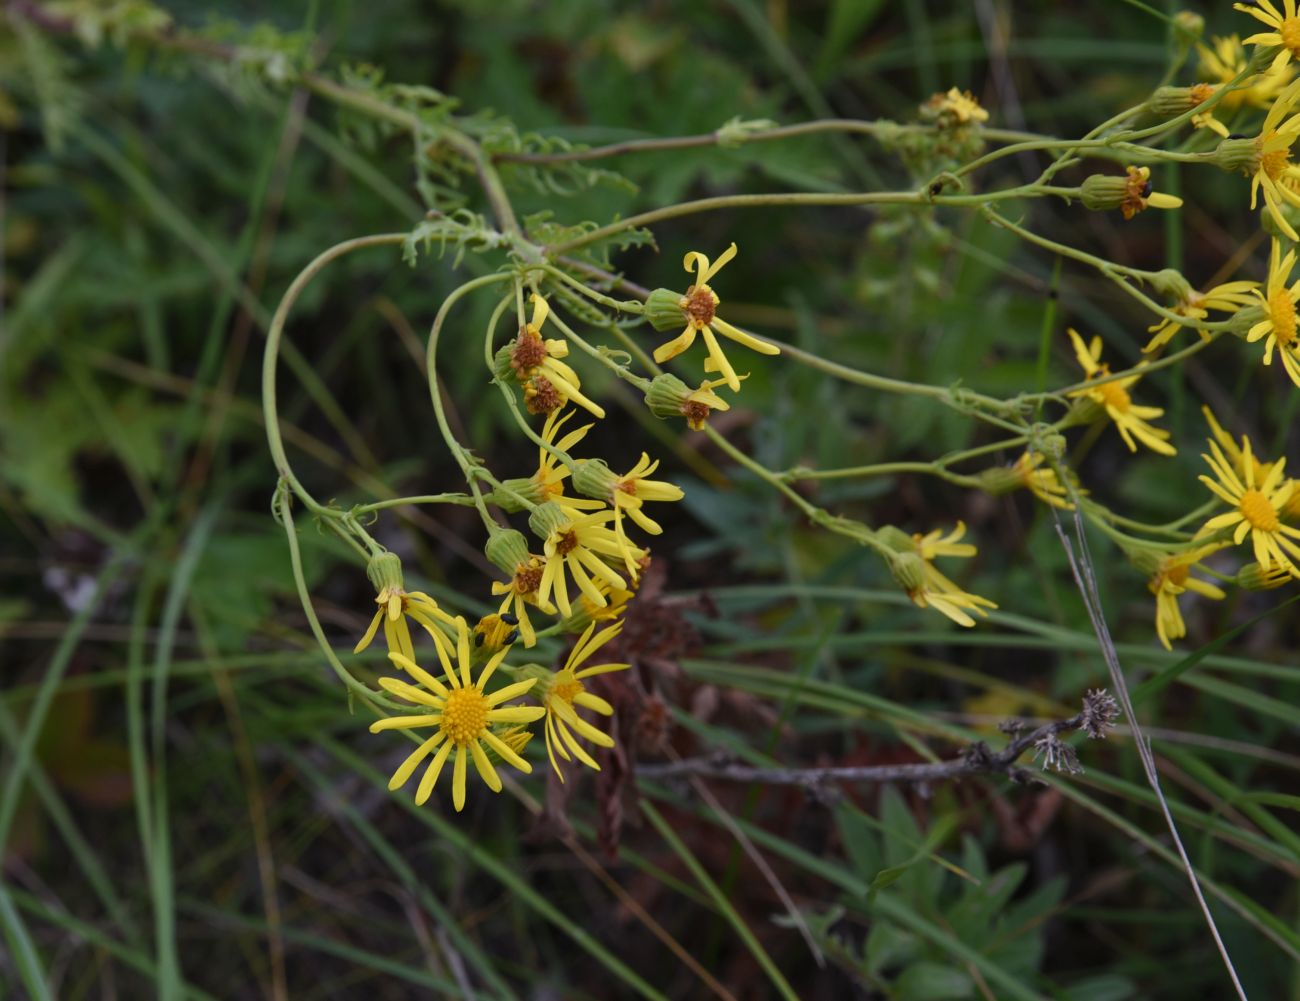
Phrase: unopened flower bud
x=1171 y=284
x=515 y=737
x=1170 y=102
x=1187 y=27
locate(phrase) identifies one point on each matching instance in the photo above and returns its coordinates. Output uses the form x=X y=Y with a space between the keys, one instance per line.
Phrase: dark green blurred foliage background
x=202 y=816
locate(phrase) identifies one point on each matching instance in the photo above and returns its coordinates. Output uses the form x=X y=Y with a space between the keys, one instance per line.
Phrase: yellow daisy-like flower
x=1278 y=327
x=956 y=107
x=937 y=591
x=520 y=592
x=700 y=305
x=1285 y=25
x=1256 y=507
x=464 y=714
x=1041 y=480
x=396 y=605
x=536 y=363
x=1226 y=298
x=1130 y=419
x=551 y=472
x=629 y=492
x=1224 y=59
x=573 y=545
x=1139 y=196
x=1271 y=170
x=585 y=611
x=1260 y=469
x=563 y=693
x=1171 y=578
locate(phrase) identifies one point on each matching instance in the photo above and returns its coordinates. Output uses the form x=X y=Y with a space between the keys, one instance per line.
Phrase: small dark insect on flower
x=1146 y=190
x=1100 y=711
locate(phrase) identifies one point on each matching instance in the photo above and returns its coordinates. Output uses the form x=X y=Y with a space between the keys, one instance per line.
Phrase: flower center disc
x=1281 y=310
x=529 y=352
x=1116 y=396
x=1290 y=32
x=701 y=304
x=464 y=716
x=1275 y=161
x=567 y=543
x=1257 y=510
x=527 y=578
x=566 y=687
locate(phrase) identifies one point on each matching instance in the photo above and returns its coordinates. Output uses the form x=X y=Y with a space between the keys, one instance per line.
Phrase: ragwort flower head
x=563 y=693
x=1256 y=505
x=1225 y=58
x=1226 y=298
x=627 y=494
x=1278 y=328
x=699 y=306
x=954 y=108
x=548 y=381
x=911 y=563
x=1172 y=578
x=1131 y=420
x=464 y=714
x=573 y=546
x=1285 y=27
x=396 y=605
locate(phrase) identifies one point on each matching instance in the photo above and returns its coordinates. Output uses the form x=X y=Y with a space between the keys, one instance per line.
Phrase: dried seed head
x=1057 y=755
x=1100 y=711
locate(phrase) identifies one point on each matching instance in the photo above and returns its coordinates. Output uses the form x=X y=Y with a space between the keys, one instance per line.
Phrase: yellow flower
x=585 y=611
x=1239 y=459
x=700 y=306
x=1138 y=194
x=494 y=631
x=699 y=403
x=1042 y=481
x=627 y=494
x=956 y=107
x=1285 y=25
x=396 y=605
x=564 y=692
x=1279 y=323
x=1225 y=60
x=1130 y=420
x=573 y=544
x=1172 y=578
x=548 y=382
x=1271 y=168
x=1256 y=507
x=520 y=592
x=551 y=472
x=931 y=589
x=1226 y=298
x=464 y=714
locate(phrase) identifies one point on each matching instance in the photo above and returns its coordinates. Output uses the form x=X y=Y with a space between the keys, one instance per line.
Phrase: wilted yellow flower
x=700 y=306
x=396 y=605
x=548 y=382
x=1279 y=324
x=1138 y=194
x=1041 y=480
x=563 y=693
x=1226 y=298
x=1256 y=507
x=956 y=107
x=924 y=584
x=1171 y=578
x=1129 y=418
x=464 y=714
